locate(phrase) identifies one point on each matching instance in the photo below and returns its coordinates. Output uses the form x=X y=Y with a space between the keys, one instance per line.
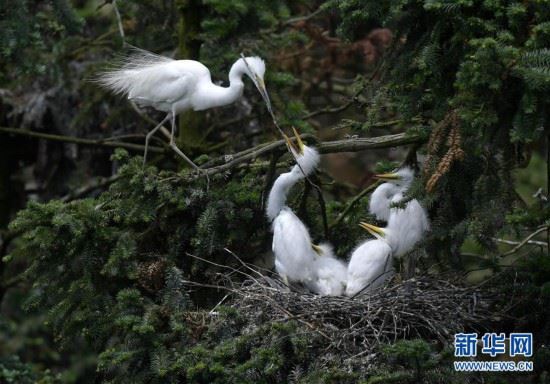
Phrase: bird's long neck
x=277 y=196
x=217 y=96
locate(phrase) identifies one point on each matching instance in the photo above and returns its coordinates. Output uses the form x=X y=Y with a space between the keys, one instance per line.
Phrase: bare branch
x=304 y=18
x=347 y=145
x=525 y=241
x=100 y=182
x=530 y=242
x=352 y=203
x=338 y=109
x=78 y=140
x=361 y=144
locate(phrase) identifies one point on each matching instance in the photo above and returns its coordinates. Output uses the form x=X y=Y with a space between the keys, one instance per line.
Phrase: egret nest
x=425 y=307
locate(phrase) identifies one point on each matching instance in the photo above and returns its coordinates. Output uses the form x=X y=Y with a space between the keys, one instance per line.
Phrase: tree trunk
x=190 y=136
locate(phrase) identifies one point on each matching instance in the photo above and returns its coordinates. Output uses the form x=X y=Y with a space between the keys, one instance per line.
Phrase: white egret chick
x=307 y=159
x=370 y=265
x=383 y=196
x=176 y=86
x=406 y=227
x=330 y=274
x=294 y=255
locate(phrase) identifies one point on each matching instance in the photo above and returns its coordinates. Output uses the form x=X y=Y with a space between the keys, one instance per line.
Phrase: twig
x=421 y=307
x=511 y=242
x=100 y=182
x=338 y=109
x=352 y=203
x=322 y=206
x=304 y=18
x=78 y=140
x=524 y=241
x=119 y=22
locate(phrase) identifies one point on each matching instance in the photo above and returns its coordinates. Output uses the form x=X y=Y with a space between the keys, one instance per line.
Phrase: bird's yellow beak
x=387 y=176
x=299 y=141
x=318 y=250
x=260 y=84
x=297 y=147
x=372 y=229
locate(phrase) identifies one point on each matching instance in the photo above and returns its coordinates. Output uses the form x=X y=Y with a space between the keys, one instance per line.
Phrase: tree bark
x=190 y=136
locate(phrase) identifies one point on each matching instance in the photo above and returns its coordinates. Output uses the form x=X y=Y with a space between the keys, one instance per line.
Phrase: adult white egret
x=384 y=195
x=330 y=274
x=294 y=255
x=175 y=86
x=370 y=265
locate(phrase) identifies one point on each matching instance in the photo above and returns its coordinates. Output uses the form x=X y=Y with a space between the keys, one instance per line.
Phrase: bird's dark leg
x=151 y=133
x=173 y=132
x=181 y=154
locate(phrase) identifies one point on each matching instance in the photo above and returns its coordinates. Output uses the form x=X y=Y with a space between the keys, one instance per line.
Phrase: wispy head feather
x=256 y=65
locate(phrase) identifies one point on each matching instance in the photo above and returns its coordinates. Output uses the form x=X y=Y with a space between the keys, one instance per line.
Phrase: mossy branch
x=337 y=146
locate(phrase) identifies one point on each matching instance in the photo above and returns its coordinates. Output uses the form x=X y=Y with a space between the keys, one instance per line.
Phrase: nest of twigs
x=426 y=307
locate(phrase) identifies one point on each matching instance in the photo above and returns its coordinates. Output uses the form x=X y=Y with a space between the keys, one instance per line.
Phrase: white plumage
x=175 y=86
x=369 y=267
x=307 y=159
x=294 y=256
x=372 y=262
x=383 y=196
x=380 y=200
x=406 y=226
x=292 y=247
x=330 y=274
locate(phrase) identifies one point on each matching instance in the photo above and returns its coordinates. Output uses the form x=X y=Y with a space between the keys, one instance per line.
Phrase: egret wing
x=162 y=83
x=292 y=246
x=370 y=265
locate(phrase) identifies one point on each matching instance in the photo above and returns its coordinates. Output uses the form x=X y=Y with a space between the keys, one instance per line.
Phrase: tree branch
x=347 y=145
x=100 y=182
x=511 y=242
x=340 y=108
x=361 y=144
x=524 y=241
x=352 y=203
x=304 y=18
x=78 y=140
